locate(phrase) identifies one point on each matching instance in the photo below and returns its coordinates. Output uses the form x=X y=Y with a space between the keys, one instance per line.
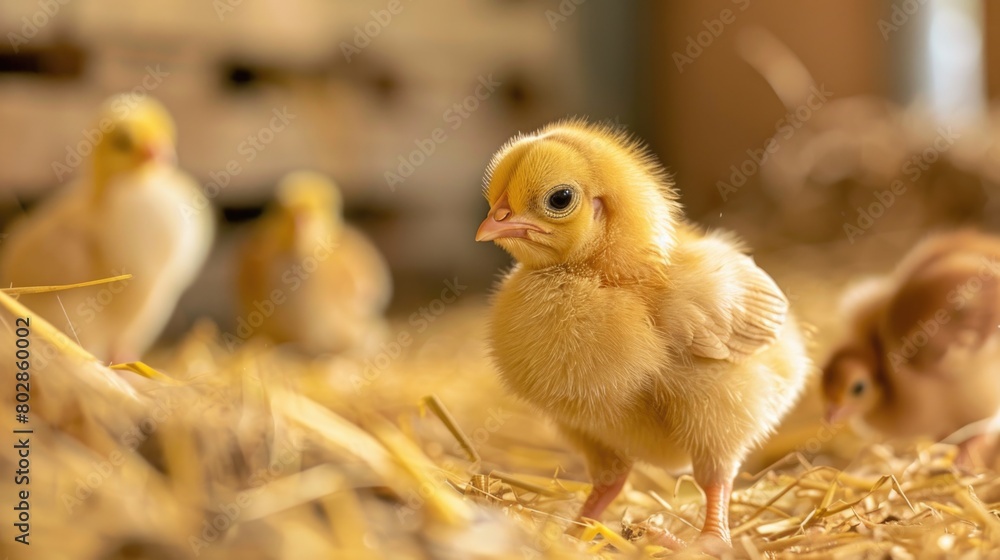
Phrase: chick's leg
x=608 y=470
x=717 y=496
x=718 y=486
x=606 y=487
x=602 y=493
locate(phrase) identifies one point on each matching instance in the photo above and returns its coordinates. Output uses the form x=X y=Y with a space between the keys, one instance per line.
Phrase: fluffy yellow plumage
x=328 y=284
x=920 y=356
x=133 y=214
x=641 y=337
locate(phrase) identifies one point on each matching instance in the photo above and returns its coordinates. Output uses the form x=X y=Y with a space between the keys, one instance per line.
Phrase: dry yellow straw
x=61 y=287
x=437 y=407
x=143 y=369
x=42 y=328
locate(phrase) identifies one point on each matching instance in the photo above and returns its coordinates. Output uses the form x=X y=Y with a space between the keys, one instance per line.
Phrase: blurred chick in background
x=326 y=284
x=641 y=336
x=134 y=213
x=922 y=355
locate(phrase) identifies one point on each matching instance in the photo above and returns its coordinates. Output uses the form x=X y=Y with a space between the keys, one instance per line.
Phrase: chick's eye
x=560 y=201
x=121 y=142
x=858 y=388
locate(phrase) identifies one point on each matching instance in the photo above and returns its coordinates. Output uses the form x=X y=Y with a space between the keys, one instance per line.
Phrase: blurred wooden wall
x=356 y=117
x=991 y=47
x=704 y=117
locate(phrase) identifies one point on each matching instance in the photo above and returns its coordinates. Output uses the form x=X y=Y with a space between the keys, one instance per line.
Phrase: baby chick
x=325 y=283
x=923 y=342
x=134 y=213
x=642 y=337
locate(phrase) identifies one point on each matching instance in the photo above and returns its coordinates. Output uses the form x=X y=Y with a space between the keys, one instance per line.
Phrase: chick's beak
x=161 y=153
x=300 y=220
x=501 y=222
x=837 y=413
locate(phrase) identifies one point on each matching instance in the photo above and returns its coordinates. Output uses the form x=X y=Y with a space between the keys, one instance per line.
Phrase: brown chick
x=316 y=281
x=923 y=346
x=642 y=337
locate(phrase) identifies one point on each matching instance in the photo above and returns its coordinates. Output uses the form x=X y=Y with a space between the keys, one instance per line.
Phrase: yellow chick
x=642 y=337
x=920 y=357
x=134 y=213
x=316 y=281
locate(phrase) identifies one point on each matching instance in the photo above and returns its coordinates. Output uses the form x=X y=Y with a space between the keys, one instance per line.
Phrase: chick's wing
x=726 y=307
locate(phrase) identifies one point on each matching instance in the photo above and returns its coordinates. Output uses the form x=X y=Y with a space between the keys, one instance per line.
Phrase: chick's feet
x=664 y=538
x=713 y=545
x=718 y=486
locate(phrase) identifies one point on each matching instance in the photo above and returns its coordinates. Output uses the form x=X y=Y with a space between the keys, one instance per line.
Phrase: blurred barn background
x=829 y=134
x=366 y=89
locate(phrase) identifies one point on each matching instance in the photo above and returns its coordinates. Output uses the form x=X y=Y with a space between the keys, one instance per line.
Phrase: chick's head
x=543 y=207
x=308 y=207
x=851 y=385
x=139 y=134
x=572 y=191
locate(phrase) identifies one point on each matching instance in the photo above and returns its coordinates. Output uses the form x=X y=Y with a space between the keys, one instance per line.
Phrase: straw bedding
x=257 y=452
